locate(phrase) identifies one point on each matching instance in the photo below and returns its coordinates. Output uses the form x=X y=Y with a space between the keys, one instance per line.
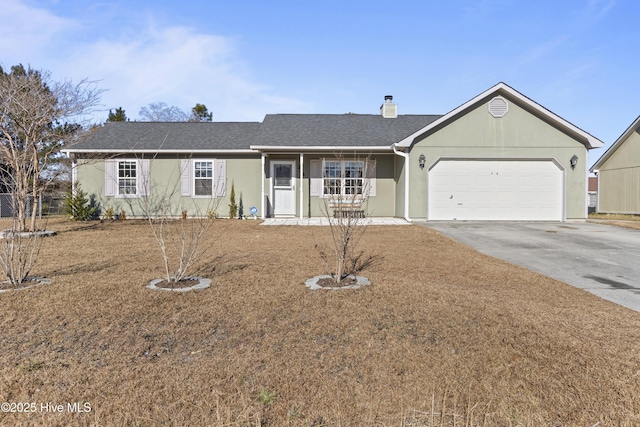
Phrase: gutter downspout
x=586 y=182
x=406 y=180
x=596 y=172
x=262 y=178
x=301 y=186
x=74 y=173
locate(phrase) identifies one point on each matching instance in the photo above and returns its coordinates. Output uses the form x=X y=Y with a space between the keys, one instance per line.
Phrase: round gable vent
x=498 y=107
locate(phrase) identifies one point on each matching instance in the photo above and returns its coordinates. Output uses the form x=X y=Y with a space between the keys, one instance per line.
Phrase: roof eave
x=618 y=142
x=299 y=148
x=152 y=151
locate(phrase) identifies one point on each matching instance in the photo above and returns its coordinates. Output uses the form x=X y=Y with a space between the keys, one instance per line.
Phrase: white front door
x=283 y=179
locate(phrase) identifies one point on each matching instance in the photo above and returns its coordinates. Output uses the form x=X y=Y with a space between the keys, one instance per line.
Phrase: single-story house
x=498 y=156
x=618 y=171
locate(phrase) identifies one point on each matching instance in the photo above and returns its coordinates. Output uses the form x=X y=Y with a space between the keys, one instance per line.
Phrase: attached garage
x=498 y=157
x=496 y=189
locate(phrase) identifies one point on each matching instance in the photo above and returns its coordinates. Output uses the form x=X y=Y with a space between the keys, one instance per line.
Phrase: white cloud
x=178 y=66
x=26 y=32
x=139 y=62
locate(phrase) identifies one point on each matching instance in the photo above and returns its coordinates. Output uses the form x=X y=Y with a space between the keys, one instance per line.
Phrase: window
x=203 y=178
x=127 y=178
x=343 y=177
x=282 y=174
x=354 y=174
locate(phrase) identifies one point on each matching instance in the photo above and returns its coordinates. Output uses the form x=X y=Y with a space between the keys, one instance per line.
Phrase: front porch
x=302 y=185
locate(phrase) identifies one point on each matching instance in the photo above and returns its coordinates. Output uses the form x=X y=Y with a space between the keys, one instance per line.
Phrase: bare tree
x=33 y=127
x=161 y=112
x=179 y=237
x=34 y=124
x=18 y=254
x=346 y=192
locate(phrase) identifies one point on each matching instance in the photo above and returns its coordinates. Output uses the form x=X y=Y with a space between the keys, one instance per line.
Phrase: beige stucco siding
x=165 y=174
x=400 y=187
x=518 y=135
x=619 y=179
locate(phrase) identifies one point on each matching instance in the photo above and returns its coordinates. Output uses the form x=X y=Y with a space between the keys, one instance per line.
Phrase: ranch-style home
x=498 y=156
x=618 y=172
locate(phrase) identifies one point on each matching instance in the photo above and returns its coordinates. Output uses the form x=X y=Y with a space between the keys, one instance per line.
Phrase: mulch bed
x=328 y=282
x=28 y=282
x=186 y=282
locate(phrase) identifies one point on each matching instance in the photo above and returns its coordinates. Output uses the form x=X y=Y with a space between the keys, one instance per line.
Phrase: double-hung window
x=343 y=177
x=332 y=174
x=127 y=178
x=203 y=178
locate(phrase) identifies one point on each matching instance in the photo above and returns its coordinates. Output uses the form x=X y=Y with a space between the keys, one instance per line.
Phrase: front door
x=283 y=176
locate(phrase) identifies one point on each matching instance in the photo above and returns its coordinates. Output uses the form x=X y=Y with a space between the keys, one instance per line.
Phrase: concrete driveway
x=600 y=258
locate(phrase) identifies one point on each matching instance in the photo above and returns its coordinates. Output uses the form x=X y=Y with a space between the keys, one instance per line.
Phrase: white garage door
x=507 y=190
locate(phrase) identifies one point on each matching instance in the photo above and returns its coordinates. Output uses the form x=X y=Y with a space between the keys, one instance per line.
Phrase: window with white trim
x=203 y=178
x=343 y=177
x=127 y=178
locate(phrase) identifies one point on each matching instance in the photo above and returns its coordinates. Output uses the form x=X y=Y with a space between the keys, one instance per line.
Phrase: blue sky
x=244 y=59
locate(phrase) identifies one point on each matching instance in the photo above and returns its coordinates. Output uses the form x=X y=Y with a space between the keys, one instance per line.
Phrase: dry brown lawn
x=628 y=221
x=444 y=336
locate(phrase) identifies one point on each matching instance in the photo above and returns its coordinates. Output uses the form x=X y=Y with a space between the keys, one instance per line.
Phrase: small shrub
x=233 y=207
x=123 y=215
x=109 y=213
x=212 y=214
x=184 y=214
x=77 y=206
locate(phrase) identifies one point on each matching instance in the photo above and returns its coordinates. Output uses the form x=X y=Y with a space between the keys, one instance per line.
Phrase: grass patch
x=444 y=336
x=611 y=217
x=266 y=397
x=620 y=220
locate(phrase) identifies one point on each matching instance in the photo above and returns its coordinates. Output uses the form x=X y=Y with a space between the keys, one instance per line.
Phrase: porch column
x=74 y=173
x=301 y=185
x=262 y=177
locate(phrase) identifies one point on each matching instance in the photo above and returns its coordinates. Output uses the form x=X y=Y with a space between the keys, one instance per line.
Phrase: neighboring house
x=499 y=156
x=618 y=171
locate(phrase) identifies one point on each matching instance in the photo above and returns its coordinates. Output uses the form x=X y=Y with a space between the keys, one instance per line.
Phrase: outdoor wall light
x=574 y=161
x=421 y=160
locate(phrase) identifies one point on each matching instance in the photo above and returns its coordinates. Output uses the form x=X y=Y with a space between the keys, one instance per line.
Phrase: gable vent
x=498 y=107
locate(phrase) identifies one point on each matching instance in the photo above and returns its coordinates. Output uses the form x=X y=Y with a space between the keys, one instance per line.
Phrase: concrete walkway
x=324 y=221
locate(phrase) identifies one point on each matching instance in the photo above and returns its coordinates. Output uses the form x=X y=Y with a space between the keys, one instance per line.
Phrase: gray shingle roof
x=277 y=130
x=337 y=129
x=171 y=136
